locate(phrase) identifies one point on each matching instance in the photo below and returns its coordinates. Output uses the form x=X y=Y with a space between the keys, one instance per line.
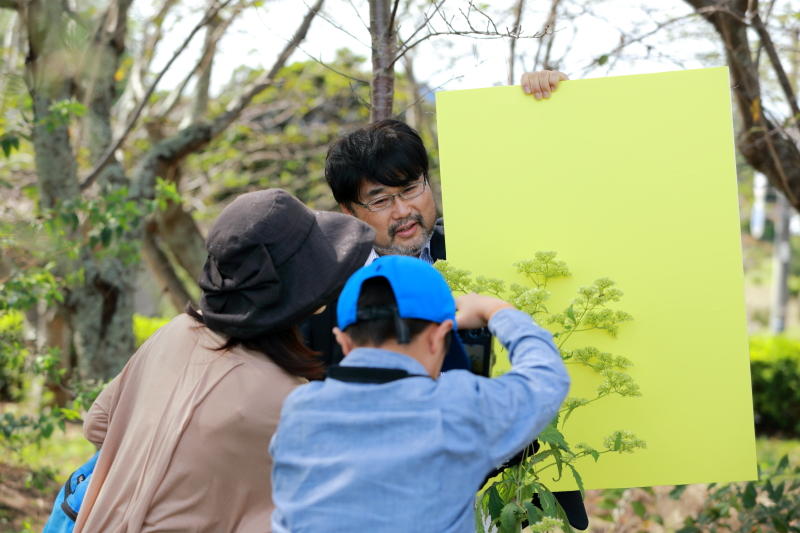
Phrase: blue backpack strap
x=70 y=498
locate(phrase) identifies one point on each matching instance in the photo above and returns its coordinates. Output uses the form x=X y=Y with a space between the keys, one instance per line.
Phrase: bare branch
x=474 y=34
x=765 y=146
x=626 y=41
x=216 y=29
x=103 y=161
x=320 y=62
x=175 y=96
x=169 y=152
x=222 y=122
x=154 y=30
x=394 y=14
x=489 y=19
x=766 y=17
x=423 y=95
x=358 y=14
x=424 y=24
x=153 y=38
x=489 y=32
x=209 y=49
x=324 y=16
x=164 y=273
x=783 y=79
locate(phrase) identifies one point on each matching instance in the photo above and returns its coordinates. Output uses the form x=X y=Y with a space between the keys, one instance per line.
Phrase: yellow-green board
x=631 y=178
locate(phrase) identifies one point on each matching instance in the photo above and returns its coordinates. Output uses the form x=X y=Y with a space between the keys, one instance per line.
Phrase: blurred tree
x=768 y=142
x=424 y=20
x=89 y=97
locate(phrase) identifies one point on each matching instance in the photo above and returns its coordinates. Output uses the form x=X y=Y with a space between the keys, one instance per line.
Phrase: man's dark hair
x=388 y=152
x=377 y=293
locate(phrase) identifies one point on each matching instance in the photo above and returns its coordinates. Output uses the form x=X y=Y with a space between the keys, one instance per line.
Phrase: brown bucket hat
x=272 y=262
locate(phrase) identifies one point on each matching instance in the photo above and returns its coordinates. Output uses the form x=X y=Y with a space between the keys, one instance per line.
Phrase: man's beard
x=393 y=249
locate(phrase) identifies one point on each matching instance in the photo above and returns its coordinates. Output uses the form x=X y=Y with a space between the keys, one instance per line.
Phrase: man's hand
x=475 y=310
x=542 y=82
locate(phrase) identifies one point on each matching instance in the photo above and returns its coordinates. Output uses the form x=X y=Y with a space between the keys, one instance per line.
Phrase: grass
x=771 y=450
x=61 y=454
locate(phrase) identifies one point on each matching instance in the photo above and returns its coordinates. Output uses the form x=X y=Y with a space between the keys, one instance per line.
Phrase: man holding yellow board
x=379 y=174
x=632 y=178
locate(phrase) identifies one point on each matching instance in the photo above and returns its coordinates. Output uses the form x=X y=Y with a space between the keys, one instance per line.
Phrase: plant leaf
x=749 y=496
x=495 y=503
x=509 y=522
x=534 y=513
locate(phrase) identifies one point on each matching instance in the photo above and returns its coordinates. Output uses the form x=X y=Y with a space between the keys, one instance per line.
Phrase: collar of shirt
x=424 y=254
x=379 y=358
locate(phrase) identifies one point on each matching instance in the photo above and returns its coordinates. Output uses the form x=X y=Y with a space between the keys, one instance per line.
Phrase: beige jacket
x=184 y=432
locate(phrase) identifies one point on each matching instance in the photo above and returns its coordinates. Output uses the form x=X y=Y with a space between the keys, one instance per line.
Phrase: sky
x=455 y=62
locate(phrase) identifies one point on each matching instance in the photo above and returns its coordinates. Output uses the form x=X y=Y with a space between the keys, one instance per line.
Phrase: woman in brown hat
x=184 y=428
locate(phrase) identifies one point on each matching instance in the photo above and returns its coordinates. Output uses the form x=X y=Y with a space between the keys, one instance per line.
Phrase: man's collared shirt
x=425 y=254
x=409 y=455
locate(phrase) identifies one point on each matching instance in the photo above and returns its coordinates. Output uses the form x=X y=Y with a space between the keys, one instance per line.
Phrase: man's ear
x=344 y=340
x=346 y=210
x=438 y=335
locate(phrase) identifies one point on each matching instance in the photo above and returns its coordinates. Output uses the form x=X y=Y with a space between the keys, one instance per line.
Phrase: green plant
x=506 y=501
x=775 y=371
x=12 y=357
x=770 y=504
x=40 y=478
x=18 y=431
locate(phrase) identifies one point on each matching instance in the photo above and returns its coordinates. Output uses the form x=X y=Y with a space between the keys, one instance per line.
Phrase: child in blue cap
x=387 y=443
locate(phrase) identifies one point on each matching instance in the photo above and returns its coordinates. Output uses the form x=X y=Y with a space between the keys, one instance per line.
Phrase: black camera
x=478 y=345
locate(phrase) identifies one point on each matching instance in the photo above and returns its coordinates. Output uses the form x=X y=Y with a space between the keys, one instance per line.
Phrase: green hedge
x=775 y=369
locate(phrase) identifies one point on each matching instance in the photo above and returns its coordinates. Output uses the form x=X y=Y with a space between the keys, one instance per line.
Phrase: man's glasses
x=387 y=200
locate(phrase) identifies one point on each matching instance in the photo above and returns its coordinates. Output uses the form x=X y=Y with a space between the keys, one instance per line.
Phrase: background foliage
x=111 y=260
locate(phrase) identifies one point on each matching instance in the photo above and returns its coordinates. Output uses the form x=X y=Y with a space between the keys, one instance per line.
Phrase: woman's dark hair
x=376 y=292
x=284 y=347
x=388 y=152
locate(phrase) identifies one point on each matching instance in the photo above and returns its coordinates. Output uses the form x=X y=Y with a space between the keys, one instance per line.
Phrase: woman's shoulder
x=261 y=366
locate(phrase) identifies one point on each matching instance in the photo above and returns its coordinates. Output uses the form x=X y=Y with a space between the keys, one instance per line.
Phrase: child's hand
x=542 y=82
x=475 y=310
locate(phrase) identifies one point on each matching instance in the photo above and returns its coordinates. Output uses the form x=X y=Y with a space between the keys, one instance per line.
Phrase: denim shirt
x=409 y=455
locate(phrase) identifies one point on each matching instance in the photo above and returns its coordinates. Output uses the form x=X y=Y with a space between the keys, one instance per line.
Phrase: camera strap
x=367 y=374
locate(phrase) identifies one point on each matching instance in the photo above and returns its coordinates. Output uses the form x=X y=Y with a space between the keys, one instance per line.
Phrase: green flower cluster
x=506 y=501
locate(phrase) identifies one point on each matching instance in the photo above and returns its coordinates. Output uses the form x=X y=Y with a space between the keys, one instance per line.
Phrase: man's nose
x=401 y=208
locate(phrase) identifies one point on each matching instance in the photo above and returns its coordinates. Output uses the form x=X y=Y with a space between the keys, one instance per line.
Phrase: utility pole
x=781 y=259
x=782 y=250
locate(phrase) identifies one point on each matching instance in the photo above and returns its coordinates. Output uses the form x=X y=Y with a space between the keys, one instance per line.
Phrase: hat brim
x=337 y=246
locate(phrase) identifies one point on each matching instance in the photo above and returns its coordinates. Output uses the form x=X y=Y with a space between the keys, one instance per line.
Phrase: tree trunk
x=200 y=104
x=177 y=230
x=100 y=308
x=55 y=162
x=160 y=265
x=512 y=45
x=543 y=51
x=781 y=259
x=384 y=49
x=765 y=145
x=103 y=305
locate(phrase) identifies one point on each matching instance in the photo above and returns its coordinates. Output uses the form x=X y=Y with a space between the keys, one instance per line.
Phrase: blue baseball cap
x=419 y=290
